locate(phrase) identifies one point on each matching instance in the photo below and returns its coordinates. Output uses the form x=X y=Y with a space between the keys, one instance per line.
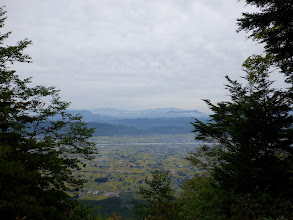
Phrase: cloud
x=132 y=53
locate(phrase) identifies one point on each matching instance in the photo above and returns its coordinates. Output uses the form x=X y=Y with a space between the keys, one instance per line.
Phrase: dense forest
x=246 y=174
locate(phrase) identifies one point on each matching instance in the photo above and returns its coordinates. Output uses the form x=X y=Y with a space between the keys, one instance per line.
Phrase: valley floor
x=124 y=162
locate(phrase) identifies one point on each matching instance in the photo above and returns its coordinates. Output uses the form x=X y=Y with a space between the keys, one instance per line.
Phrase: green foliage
x=272 y=25
x=36 y=152
x=252 y=159
x=85 y=212
x=112 y=205
x=202 y=199
x=159 y=198
x=260 y=205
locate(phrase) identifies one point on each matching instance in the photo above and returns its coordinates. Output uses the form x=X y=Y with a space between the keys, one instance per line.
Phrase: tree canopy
x=253 y=155
x=40 y=143
x=272 y=25
x=158 y=198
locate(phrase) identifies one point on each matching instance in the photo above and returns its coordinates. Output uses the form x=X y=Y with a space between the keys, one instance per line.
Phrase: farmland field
x=124 y=162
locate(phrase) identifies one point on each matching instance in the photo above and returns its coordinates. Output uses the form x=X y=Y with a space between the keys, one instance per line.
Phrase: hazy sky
x=132 y=54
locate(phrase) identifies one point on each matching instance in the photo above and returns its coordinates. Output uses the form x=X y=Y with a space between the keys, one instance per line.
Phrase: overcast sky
x=132 y=54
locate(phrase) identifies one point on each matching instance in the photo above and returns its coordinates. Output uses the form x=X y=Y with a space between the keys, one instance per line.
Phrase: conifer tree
x=40 y=144
x=272 y=25
x=158 y=196
x=253 y=157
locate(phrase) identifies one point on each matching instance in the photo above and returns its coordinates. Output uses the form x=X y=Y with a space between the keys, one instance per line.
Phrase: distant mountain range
x=104 y=129
x=109 y=121
x=114 y=114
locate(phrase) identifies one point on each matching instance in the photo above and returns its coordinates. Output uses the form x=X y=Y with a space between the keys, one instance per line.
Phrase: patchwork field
x=123 y=163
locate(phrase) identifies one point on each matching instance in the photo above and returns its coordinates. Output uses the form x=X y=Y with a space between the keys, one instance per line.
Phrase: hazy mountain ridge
x=110 y=121
x=103 y=129
x=114 y=114
x=146 y=123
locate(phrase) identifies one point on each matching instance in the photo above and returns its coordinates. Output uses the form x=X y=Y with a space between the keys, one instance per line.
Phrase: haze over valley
x=109 y=121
